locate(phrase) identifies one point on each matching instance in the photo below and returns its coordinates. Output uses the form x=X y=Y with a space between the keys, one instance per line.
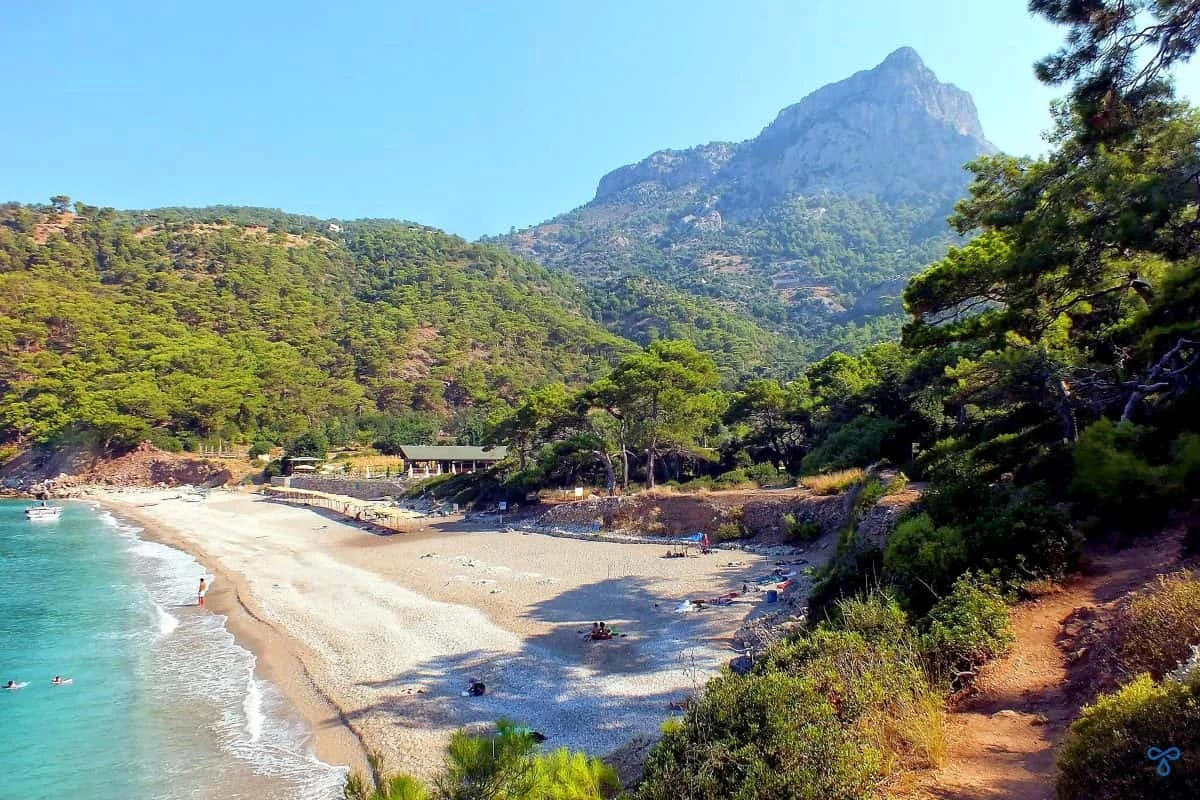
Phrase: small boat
x=43 y=513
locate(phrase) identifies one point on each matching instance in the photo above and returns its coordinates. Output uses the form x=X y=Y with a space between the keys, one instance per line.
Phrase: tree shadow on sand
x=583 y=694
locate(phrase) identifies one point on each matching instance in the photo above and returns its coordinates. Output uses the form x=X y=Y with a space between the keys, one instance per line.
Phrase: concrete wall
x=362 y=489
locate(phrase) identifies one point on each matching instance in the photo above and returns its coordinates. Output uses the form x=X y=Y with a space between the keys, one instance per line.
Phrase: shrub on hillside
x=764 y=474
x=733 y=478
x=164 y=440
x=729 y=531
x=259 y=448
x=897 y=484
x=762 y=737
x=1160 y=625
x=966 y=628
x=876 y=616
x=1106 y=752
x=830 y=714
x=795 y=530
x=1114 y=483
x=860 y=441
x=922 y=559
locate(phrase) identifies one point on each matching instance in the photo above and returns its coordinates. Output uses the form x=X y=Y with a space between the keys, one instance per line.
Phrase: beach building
x=426 y=460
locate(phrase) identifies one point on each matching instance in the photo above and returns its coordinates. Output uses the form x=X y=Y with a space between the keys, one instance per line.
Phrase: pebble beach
x=376 y=637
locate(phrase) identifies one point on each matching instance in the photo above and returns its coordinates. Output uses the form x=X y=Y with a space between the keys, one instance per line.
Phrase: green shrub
x=8 y=453
x=313 y=444
x=273 y=469
x=870 y=494
x=164 y=440
x=763 y=474
x=967 y=628
x=1105 y=753
x=259 y=448
x=729 y=531
x=505 y=765
x=795 y=530
x=1017 y=533
x=733 y=478
x=850 y=573
x=897 y=484
x=923 y=559
x=763 y=737
x=1114 y=484
x=698 y=484
x=860 y=441
x=875 y=616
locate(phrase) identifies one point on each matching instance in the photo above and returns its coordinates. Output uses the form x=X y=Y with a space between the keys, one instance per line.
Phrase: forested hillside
x=239 y=323
x=1046 y=388
x=808 y=230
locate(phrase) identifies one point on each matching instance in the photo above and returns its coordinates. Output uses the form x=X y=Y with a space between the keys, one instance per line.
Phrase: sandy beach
x=375 y=638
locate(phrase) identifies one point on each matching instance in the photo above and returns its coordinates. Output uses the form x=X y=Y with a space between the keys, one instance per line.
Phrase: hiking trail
x=1002 y=741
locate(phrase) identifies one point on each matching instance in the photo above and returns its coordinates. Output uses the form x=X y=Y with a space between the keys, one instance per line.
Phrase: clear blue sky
x=472 y=116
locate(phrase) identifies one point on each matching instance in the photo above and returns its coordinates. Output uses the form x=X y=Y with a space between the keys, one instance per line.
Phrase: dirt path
x=1003 y=740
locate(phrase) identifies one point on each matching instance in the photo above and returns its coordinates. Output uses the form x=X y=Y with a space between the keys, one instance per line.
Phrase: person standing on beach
x=202 y=592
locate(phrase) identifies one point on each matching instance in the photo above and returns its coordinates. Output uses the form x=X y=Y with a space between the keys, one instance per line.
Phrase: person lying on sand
x=602 y=632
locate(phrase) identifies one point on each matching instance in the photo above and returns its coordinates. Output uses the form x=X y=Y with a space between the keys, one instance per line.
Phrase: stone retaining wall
x=362 y=489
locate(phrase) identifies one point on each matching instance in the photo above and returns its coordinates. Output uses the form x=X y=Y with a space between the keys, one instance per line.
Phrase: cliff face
x=891 y=131
x=673 y=169
x=808 y=230
x=894 y=131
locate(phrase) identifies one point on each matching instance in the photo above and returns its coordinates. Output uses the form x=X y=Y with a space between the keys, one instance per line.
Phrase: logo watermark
x=1164 y=759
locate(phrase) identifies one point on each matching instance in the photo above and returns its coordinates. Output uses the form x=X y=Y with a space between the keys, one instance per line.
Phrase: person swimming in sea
x=59 y=680
x=203 y=591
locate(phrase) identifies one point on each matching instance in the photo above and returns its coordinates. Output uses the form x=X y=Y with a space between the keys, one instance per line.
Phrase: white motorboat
x=43 y=513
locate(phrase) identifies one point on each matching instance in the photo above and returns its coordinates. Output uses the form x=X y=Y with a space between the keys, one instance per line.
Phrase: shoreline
x=373 y=638
x=278 y=658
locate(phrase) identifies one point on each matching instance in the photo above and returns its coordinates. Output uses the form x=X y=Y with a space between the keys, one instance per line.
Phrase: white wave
x=195 y=662
x=253 y=707
x=167 y=622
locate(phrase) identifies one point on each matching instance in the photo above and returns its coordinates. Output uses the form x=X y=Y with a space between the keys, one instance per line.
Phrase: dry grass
x=915 y=731
x=832 y=482
x=1161 y=624
x=1042 y=587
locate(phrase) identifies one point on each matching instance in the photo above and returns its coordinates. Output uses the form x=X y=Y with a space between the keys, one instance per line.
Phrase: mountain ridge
x=840 y=196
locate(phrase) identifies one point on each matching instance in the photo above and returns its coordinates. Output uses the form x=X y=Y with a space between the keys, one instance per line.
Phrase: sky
x=471 y=116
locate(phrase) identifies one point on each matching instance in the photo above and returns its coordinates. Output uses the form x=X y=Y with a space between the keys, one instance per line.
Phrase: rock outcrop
x=891 y=131
x=64 y=472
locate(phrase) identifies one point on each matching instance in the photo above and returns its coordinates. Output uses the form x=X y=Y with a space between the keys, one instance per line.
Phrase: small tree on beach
x=503 y=766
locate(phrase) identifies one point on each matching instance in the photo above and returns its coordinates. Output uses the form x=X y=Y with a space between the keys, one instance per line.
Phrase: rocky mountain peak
x=891 y=131
x=894 y=130
x=904 y=59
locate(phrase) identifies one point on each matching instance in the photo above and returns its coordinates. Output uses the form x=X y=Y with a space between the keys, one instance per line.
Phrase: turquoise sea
x=164 y=704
